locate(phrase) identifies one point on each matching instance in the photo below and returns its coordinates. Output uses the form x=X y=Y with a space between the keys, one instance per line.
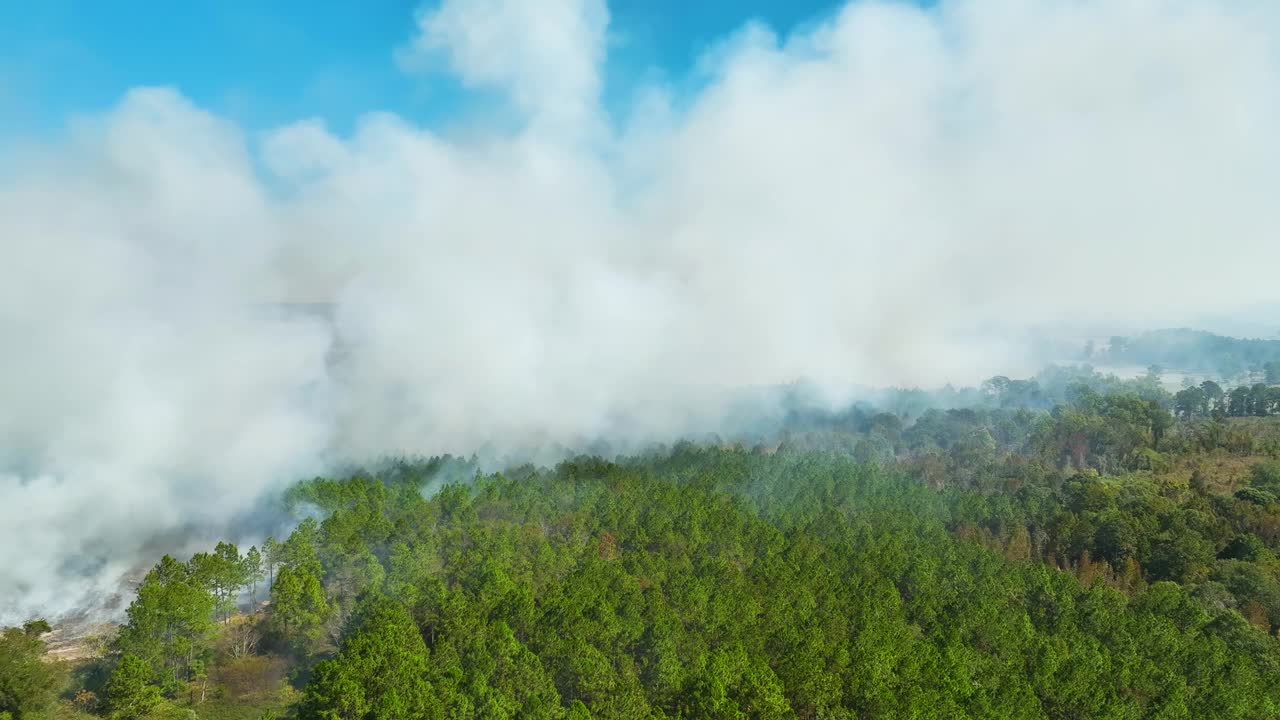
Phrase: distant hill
x=1193 y=351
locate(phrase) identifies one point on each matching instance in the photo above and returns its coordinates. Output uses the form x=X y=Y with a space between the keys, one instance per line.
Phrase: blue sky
x=266 y=63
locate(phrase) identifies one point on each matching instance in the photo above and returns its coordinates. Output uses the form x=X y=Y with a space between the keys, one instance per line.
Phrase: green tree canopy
x=380 y=673
x=27 y=683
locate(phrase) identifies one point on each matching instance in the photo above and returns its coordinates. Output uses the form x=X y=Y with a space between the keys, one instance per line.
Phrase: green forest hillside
x=1114 y=557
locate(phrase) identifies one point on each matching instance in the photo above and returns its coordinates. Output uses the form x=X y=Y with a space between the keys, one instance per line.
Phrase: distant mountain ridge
x=1195 y=351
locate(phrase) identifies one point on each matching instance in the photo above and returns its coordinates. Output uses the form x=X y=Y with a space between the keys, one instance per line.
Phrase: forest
x=1194 y=351
x=1067 y=546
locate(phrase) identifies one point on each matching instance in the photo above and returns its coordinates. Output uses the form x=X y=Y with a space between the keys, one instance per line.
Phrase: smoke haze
x=894 y=195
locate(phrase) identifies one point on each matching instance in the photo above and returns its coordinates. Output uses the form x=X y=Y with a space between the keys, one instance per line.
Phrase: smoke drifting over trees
x=887 y=197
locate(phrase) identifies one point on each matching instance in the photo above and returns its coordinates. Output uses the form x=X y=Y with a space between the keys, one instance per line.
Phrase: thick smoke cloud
x=888 y=197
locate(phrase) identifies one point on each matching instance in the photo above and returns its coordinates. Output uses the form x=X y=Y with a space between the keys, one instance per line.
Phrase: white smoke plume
x=878 y=199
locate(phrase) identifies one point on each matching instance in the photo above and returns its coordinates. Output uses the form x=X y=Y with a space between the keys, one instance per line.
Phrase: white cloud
x=870 y=202
x=546 y=56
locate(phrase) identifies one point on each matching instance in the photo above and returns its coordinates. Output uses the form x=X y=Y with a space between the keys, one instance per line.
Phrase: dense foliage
x=27 y=683
x=1109 y=557
x=733 y=583
x=1209 y=400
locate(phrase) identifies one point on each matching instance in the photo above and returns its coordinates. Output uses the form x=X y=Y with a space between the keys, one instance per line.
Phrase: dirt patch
x=75 y=643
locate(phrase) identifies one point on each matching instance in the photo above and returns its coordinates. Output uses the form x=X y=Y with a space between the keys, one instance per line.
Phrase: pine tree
x=252 y=566
x=298 y=606
x=380 y=672
x=169 y=622
x=130 y=693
